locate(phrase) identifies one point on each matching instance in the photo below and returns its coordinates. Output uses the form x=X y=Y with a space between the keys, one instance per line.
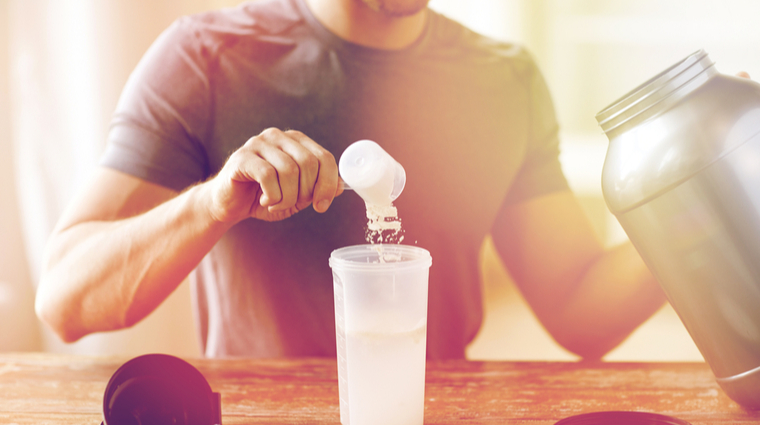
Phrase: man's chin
x=397 y=8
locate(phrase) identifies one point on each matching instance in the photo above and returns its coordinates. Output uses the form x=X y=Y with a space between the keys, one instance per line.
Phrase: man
x=228 y=130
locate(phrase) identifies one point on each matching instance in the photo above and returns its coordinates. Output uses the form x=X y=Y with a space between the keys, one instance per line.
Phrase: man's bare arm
x=588 y=298
x=125 y=244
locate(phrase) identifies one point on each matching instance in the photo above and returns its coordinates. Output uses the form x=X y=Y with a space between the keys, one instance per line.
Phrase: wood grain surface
x=63 y=389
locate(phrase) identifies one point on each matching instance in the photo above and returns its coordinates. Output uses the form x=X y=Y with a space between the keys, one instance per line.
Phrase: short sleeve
x=541 y=171
x=162 y=116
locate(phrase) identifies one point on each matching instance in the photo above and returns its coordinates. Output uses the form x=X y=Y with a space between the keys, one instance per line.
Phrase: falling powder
x=383 y=226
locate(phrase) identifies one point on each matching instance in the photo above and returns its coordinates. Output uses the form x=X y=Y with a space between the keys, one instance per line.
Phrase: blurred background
x=63 y=64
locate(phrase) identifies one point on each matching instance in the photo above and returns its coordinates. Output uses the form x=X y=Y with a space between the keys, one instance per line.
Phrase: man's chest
x=460 y=140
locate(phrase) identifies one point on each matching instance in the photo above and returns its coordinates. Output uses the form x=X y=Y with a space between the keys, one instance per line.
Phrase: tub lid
x=655 y=90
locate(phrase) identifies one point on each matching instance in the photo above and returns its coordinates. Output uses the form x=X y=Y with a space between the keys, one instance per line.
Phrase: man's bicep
x=546 y=243
x=112 y=195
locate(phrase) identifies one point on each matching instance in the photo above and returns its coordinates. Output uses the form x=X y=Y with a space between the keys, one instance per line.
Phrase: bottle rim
x=366 y=258
x=654 y=91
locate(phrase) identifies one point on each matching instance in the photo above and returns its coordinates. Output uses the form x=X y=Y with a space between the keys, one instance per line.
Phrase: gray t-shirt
x=469 y=118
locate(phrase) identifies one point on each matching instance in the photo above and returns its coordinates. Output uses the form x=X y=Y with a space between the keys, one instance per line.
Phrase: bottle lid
x=160 y=389
x=621 y=418
x=657 y=91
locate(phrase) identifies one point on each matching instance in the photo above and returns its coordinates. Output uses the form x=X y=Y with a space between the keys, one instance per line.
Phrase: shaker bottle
x=682 y=176
x=381 y=330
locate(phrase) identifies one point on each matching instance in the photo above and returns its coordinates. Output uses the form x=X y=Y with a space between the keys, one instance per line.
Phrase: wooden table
x=60 y=389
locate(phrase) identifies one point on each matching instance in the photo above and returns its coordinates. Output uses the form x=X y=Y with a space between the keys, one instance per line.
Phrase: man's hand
x=273 y=176
x=124 y=244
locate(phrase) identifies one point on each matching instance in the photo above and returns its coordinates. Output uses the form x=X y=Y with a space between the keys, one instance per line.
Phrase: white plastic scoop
x=368 y=170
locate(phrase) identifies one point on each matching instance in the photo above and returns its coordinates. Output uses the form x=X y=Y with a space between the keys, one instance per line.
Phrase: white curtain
x=18 y=330
x=64 y=66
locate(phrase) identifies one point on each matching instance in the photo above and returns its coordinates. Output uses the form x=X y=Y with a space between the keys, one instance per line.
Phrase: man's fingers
x=308 y=165
x=250 y=167
x=325 y=182
x=742 y=74
x=291 y=169
x=287 y=174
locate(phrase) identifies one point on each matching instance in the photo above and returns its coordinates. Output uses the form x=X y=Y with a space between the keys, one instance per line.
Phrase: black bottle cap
x=621 y=418
x=160 y=389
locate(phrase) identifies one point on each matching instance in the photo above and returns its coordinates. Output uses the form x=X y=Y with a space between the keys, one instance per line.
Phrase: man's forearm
x=105 y=275
x=615 y=295
x=125 y=244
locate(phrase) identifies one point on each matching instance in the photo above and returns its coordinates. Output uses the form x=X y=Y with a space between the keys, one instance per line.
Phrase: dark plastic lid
x=621 y=418
x=160 y=389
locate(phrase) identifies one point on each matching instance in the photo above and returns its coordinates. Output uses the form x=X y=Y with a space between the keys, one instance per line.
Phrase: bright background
x=63 y=64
